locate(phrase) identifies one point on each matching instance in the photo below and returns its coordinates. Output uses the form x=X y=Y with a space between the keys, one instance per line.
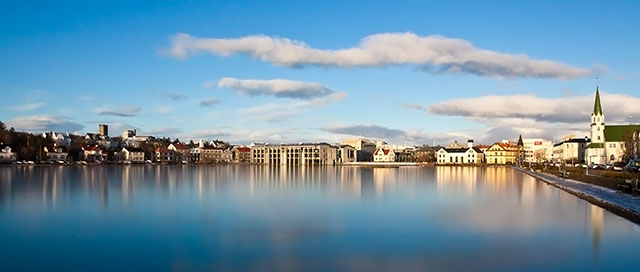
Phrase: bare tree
x=631 y=142
x=539 y=155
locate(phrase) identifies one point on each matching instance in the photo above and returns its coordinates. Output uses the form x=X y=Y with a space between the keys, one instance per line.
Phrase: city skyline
x=251 y=72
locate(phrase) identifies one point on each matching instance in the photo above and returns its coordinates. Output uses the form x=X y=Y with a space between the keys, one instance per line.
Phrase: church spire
x=597 y=109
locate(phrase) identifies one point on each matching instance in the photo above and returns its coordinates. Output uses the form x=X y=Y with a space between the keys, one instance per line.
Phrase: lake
x=267 y=218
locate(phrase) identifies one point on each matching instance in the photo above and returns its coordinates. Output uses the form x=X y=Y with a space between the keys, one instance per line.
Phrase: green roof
x=597 y=108
x=595 y=145
x=617 y=133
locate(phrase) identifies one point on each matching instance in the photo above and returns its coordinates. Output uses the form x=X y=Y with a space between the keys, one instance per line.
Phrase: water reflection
x=218 y=217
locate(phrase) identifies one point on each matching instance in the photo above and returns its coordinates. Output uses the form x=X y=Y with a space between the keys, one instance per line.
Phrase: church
x=607 y=141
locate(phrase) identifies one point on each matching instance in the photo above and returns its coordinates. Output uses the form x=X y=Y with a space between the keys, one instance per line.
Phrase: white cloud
x=432 y=53
x=277 y=112
x=121 y=111
x=563 y=109
x=276 y=87
x=40 y=123
x=26 y=107
x=411 y=136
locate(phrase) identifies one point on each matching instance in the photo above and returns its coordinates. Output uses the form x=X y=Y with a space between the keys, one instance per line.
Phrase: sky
x=408 y=72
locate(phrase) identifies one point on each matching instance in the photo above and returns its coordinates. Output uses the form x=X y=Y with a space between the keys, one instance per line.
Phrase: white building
x=607 y=142
x=6 y=155
x=456 y=154
x=384 y=155
x=59 y=138
x=294 y=154
x=570 y=150
x=364 y=148
x=347 y=154
x=537 y=150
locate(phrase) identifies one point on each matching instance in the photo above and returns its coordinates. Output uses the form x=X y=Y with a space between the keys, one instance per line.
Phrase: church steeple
x=597 y=108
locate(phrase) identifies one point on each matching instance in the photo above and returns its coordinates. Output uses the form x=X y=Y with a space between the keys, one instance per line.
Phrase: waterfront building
x=384 y=155
x=571 y=150
x=132 y=154
x=608 y=141
x=347 y=154
x=56 y=152
x=537 y=150
x=181 y=150
x=227 y=155
x=194 y=154
x=211 y=154
x=93 y=153
x=456 y=154
x=241 y=154
x=426 y=153
x=294 y=154
x=364 y=148
x=6 y=155
x=163 y=154
x=503 y=152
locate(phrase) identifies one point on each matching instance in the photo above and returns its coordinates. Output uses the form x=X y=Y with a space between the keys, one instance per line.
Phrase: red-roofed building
x=384 y=155
x=241 y=154
x=181 y=149
x=163 y=154
x=56 y=152
x=93 y=153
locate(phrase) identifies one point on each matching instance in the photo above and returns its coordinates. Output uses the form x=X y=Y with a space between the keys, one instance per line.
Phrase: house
x=227 y=155
x=63 y=139
x=503 y=152
x=570 y=150
x=294 y=154
x=384 y=155
x=194 y=154
x=456 y=154
x=607 y=144
x=347 y=154
x=93 y=153
x=132 y=154
x=55 y=152
x=6 y=155
x=181 y=149
x=163 y=154
x=241 y=154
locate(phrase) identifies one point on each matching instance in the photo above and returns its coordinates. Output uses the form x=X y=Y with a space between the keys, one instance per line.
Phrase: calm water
x=185 y=218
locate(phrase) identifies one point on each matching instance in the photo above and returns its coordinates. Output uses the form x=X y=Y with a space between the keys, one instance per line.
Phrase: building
x=163 y=154
x=103 y=130
x=194 y=154
x=503 y=152
x=608 y=142
x=364 y=148
x=384 y=155
x=427 y=153
x=94 y=153
x=55 y=152
x=571 y=150
x=211 y=154
x=6 y=155
x=132 y=154
x=63 y=139
x=182 y=151
x=537 y=150
x=241 y=154
x=347 y=154
x=294 y=154
x=456 y=154
x=227 y=155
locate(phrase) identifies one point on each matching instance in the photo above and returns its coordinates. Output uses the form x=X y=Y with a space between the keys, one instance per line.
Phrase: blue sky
x=69 y=66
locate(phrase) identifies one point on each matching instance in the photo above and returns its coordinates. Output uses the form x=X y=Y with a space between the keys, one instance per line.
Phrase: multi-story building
x=294 y=154
x=503 y=152
x=56 y=152
x=364 y=148
x=537 y=150
x=211 y=154
x=347 y=154
x=163 y=154
x=384 y=155
x=241 y=154
x=570 y=150
x=456 y=154
x=132 y=154
x=181 y=149
x=94 y=153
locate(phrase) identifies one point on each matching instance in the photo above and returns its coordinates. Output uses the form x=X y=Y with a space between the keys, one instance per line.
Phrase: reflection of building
x=537 y=150
x=294 y=154
x=571 y=150
x=456 y=154
x=607 y=142
x=502 y=153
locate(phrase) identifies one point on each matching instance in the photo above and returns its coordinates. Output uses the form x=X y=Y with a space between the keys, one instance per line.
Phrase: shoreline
x=623 y=205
